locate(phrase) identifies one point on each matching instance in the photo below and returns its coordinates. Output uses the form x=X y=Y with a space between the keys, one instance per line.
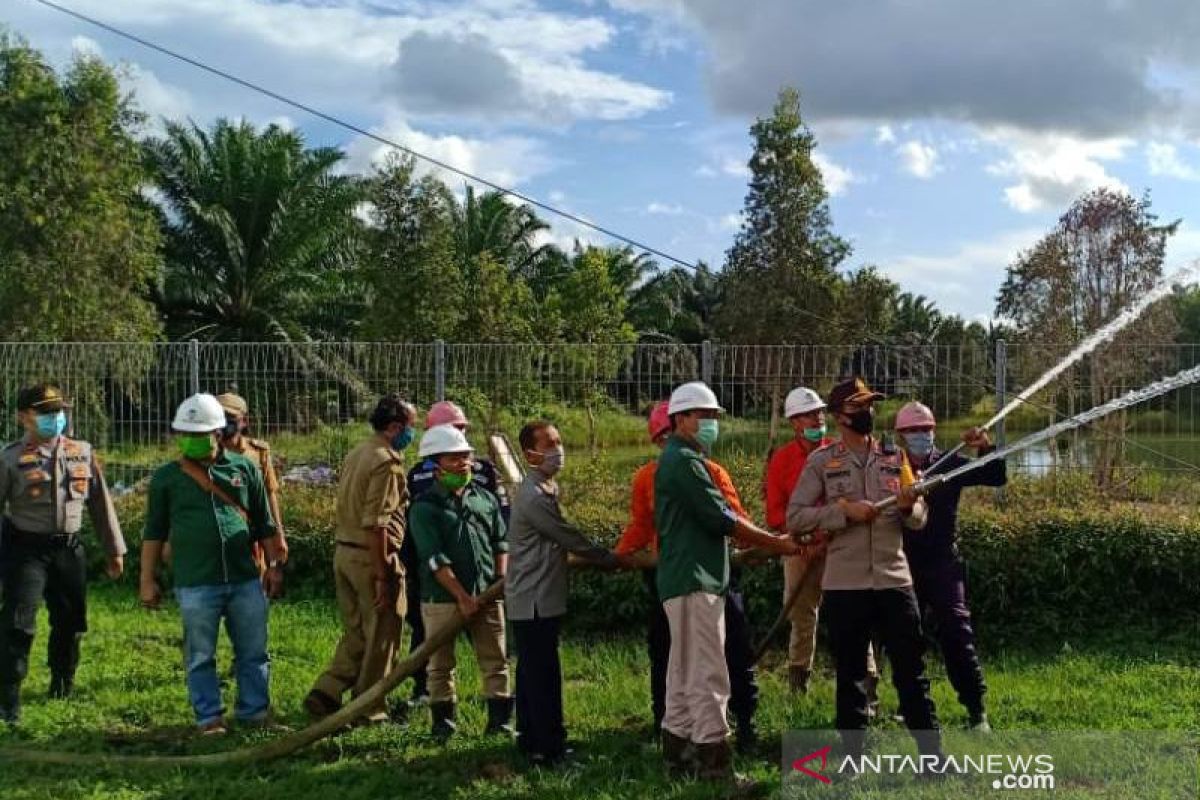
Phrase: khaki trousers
x=369 y=637
x=486 y=632
x=697 y=677
x=805 y=573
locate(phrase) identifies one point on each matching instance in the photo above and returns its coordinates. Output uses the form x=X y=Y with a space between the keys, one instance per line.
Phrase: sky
x=952 y=133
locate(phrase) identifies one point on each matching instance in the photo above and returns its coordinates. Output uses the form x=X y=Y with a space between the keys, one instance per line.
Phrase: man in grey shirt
x=539 y=540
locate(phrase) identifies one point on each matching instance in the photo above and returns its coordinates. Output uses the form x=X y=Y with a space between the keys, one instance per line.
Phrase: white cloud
x=730 y=223
x=837 y=178
x=664 y=209
x=919 y=159
x=506 y=160
x=1051 y=170
x=735 y=168
x=966 y=278
x=1163 y=159
x=885 y=135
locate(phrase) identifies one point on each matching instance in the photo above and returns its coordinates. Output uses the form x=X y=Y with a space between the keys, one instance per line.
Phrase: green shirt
x=464 y=532
x=210 y=541
x=693 y=520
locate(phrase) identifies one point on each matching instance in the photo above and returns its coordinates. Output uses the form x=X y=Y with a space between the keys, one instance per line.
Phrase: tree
x=492 y=223
x=781 y=280
x=260 y=235
x=77 y=240
x=417 y=289
x=1105 y=252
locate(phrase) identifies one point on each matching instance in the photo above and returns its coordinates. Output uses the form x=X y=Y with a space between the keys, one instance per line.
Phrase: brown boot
x=677 y=755
x=715 y=763
x=798 y=678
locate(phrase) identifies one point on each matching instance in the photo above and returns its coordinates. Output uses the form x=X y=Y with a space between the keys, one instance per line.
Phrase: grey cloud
x=441 y=74
x=1083 y=66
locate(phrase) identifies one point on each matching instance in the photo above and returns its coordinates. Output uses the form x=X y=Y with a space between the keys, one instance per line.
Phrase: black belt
x=340 y=543
x=14 y=536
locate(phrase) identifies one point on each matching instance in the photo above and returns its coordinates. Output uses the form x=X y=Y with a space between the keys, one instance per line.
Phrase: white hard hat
x=200 y=413
x=802 y=400
x=443 y=439
x=693 y=396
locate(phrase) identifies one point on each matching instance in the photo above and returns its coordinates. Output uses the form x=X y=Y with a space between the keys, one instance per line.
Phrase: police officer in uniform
x=235 y=438
x=46 y=480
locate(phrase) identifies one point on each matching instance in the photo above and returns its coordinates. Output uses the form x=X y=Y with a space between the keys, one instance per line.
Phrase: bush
x=1032 y=571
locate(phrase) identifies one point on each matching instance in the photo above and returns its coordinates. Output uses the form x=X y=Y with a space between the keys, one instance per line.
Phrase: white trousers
x=697 y=677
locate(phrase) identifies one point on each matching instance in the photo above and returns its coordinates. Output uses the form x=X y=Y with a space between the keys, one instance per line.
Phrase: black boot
x=444 y=714
x=10 y=703
x=677 y=755
x=500 y=711
x=61 y=686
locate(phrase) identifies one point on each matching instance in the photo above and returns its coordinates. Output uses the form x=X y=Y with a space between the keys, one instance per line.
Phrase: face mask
x=231 y=429
x=552 y=462
x=453 y=480
x=402 y=439
x=708 y=432
x=861 y=422
x=51 y=425
x=919 y=443
x=814 y=434
x=194 y=447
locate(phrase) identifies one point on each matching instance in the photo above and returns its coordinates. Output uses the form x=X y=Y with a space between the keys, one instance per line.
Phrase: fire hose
x=283 y=745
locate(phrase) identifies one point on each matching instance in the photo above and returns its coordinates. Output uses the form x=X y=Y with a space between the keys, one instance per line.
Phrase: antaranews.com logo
x=1007 y=771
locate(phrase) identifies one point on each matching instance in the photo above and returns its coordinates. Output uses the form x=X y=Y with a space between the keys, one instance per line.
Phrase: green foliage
x=77 y=240
x=260 y=234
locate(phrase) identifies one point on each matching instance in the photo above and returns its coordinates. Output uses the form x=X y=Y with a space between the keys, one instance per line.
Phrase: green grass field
x=131 y=699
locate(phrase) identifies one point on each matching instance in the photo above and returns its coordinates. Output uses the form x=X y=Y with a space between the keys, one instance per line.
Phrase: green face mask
x=708 y=432
x=194 y=446
x=454 y=481
x=814 y=434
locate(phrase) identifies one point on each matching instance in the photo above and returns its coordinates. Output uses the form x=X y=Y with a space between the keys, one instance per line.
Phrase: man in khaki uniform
x=372 y=497
x=868 y=589
x=235 y=439
x=46 y=481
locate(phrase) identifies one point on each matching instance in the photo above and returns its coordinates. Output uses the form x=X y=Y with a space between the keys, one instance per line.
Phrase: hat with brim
x=854 y=390
x=234 y=405
x=42 y=399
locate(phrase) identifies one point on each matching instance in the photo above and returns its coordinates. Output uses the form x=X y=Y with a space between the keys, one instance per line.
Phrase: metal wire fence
x=310 y=399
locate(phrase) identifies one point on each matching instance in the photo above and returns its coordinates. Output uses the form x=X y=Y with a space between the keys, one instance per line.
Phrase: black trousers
x=540 y=729
x=412 y=616
x=739 y=654
x=942 y=593
x=35 y=570
x=853 y=616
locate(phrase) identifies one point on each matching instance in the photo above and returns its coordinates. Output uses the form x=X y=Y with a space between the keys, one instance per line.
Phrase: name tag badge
x=236 y=481
x=27 y=460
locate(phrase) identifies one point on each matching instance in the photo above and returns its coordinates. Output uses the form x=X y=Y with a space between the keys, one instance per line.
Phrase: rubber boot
x=715 y=762
x=10 y=703
x=747 y=736
x=500 y=710
x=443 y=715
x=677 y=755
x=979 y=722
x=61 y=686
x=798 y=678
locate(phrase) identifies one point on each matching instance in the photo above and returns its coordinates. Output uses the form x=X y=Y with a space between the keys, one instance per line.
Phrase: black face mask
x=232 y=428
x=861 y=422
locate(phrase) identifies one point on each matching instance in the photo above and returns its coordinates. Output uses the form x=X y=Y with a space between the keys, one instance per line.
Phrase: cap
x=42 y=397
x=853 y=390
x=233 y=404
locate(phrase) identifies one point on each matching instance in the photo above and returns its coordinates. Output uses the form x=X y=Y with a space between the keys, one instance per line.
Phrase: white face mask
x=552 y=461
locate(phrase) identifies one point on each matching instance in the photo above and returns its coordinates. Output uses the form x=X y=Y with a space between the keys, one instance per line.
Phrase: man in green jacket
x=211 y=505
x=694 y=524
x=462 y=548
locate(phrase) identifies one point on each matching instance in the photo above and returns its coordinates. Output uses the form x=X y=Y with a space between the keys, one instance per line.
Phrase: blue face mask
x=402 y=439
x=51 y=425
x=919 y=443
x=708 y=432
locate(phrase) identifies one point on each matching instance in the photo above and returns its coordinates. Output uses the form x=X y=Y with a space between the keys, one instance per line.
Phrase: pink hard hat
x=444 y=413
x=914 y=415
x=660 y=421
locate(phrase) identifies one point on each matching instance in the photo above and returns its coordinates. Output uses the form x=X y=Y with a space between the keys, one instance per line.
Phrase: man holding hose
x=868 y=588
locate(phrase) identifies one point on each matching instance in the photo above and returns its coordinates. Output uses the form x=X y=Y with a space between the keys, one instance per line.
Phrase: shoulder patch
x=260 y=444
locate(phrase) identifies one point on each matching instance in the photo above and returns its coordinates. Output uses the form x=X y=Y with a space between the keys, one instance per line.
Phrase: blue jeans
x=244 y=607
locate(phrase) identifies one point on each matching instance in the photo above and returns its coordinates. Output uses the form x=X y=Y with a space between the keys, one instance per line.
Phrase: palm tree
x=491 y=223
x=260 y=234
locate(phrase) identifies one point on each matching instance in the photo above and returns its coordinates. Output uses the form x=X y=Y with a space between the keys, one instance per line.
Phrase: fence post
x=1001 y=391
x=194 y=363
x=706 y=362
x=439 y=369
